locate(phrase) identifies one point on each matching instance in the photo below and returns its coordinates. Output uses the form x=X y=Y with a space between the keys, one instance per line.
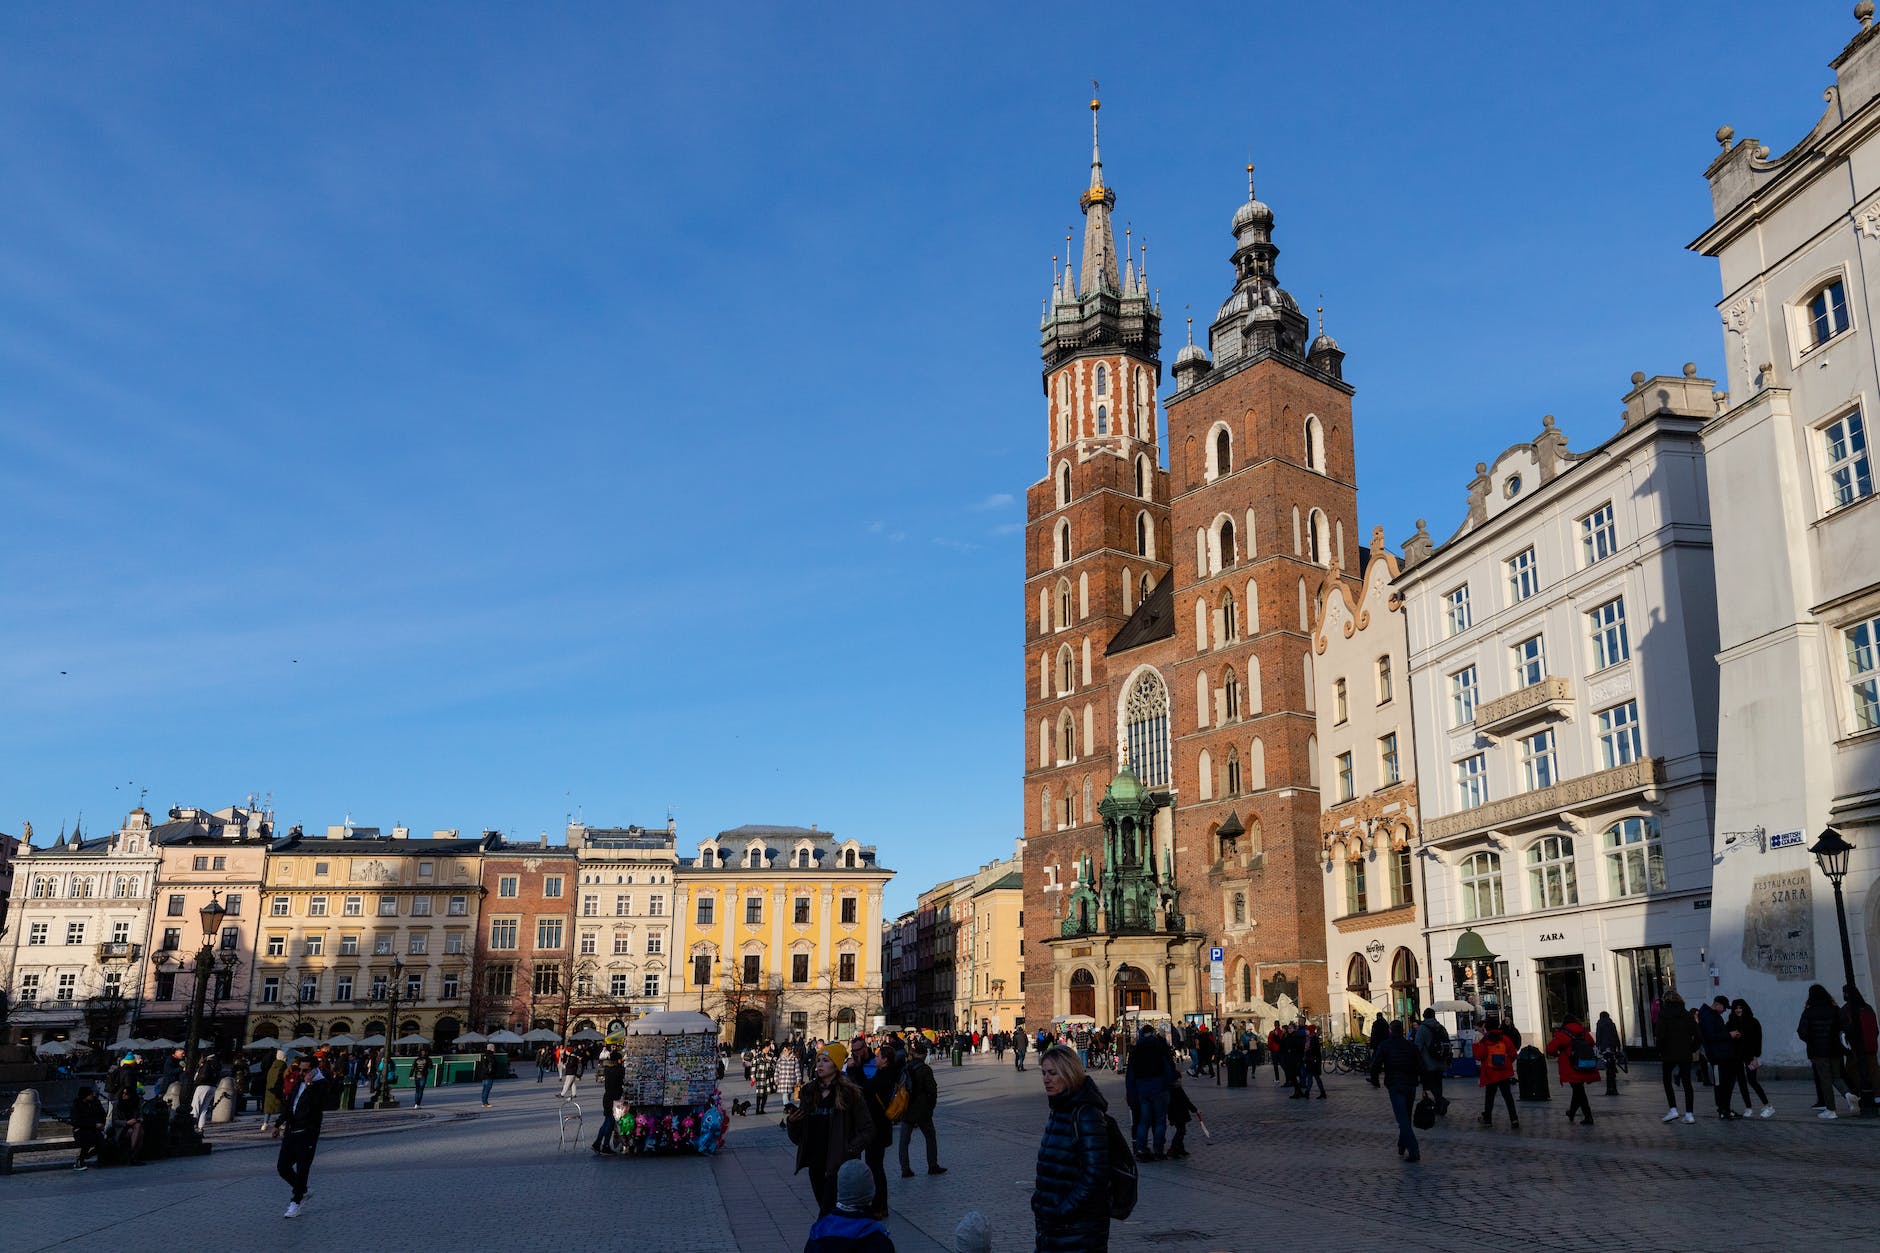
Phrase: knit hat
x=973 y=1235
x=855 y=1187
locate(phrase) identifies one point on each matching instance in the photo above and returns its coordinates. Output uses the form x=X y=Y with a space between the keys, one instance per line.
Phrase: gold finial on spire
x=1191 y=326
x=1321 y=313
x=1250 y=194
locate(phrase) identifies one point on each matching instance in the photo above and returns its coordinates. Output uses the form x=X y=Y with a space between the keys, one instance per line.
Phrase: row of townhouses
x=366 y=932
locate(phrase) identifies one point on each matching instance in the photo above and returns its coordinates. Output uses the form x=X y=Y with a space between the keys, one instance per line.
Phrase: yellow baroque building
x=780 y=930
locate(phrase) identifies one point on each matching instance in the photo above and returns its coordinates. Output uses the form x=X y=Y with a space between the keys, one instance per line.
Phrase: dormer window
x=1827 y=313
x=753 y=859
x=849 y=859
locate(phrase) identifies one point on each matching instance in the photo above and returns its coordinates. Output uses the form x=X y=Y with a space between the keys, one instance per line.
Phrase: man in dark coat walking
x=300 y=1133
x=1400 y=1064
x=1146 y=1081
x=923 y=1093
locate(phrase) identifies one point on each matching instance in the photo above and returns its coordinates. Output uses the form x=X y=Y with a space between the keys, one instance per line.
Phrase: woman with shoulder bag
x=1070 y=1200
x=1494 y=1053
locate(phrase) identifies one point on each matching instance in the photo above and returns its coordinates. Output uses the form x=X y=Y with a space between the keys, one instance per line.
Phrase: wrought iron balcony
x=1530 y=808
x=1551 y=697
x=119 y=951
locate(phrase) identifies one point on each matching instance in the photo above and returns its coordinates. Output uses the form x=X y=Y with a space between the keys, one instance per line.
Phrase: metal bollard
x=222 y=1109
x=24 y=1123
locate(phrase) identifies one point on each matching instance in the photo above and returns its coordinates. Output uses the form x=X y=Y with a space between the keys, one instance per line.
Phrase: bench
x=49 y=1144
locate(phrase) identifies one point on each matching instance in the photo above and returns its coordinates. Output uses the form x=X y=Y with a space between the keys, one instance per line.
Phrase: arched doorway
x=1405 y=999
x=1083 y=993
x=845 y=1023
x=447 y=1031
x=1357 y=984
x=750 y=1028
x=1132 y=990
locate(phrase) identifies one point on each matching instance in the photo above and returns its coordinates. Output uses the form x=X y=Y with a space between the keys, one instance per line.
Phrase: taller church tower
x=1097 y=545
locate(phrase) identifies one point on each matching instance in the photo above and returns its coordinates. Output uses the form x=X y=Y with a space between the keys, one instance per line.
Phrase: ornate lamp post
x=211 y=915
x=384 y=1098
x=1832 y=854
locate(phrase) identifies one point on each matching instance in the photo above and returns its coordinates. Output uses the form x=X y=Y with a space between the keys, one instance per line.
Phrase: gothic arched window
x=1228 y=553
x=1315 y=444
x=1145 y=718
x=1064 y=542
x=1223 y=452
x=1103 y=419
x=1103 y=381
x=1064 y=483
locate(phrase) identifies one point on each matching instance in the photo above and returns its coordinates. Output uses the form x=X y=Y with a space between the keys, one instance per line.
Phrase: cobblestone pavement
x=1321 y=1172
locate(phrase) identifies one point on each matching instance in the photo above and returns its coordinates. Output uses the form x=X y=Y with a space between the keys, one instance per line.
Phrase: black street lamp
x=384 y=1099
x=211 y=915
x=1832 y=854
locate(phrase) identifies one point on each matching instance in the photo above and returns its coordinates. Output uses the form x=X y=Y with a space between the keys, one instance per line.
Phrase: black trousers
x=296 y=1160
x=1747 y=1081
x=925 y=1127
x=1578 y=1101
x=875 y=1156
x=1433 y=1084
x=1506 y=1088
x=1726 y=1084
x=1683 y=1071
x=824 y=1186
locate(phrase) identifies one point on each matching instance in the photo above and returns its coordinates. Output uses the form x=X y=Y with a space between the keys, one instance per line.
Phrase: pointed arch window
x=1145 y=536
x=1067 y=738
x=1142 y=477
x=1064 y=542
x=1144 y=405
x=1315 y=443
x=1223 y=452
x=1230 y=619
x=1103 y=380
x=1063 y=603
x=1319 y=537
x=1103 y=419
x=1064 y=483
x=1233 y=772
x=1230 y=695
x=1145 y=715
x=1148 y=584
x=1066 y=671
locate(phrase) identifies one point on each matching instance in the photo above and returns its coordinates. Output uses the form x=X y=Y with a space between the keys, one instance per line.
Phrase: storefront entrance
x=1644 y=974
x=1563 y=990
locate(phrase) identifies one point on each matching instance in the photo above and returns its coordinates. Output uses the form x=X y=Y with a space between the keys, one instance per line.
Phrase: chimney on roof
x=335 y=833
x=444 y=833
x=544 y=839
x=401 y=833
x=672 y=826
x=812 y=826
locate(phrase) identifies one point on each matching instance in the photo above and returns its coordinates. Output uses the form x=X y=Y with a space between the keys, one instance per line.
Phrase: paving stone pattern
x=1306 y=1173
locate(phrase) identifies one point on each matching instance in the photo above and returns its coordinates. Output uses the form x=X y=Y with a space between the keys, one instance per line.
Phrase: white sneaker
x=1825 y=1115
x=1768 y=1111
x=293 y=1210
x=1853 y=1103
x=1690 y=1118
x=1673 y=1115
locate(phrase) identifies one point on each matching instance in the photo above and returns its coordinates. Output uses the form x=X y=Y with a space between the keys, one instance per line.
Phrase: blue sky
x=461 y=415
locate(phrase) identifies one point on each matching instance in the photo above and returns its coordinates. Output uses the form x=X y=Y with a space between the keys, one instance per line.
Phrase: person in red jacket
x=1578 y=1057
x=1494 y=1054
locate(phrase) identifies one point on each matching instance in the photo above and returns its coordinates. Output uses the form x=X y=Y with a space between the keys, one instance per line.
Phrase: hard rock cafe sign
x=1375 y=951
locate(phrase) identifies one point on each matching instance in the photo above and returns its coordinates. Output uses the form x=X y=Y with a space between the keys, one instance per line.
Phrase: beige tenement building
x=994 y=954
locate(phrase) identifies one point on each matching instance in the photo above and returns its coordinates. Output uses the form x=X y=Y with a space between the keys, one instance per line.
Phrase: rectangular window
x=547 y=981
x=1537 y=760
x=319 y=867
x=233 y=903
x=548 y=933
x=450 y=989
x=418 y=942
x=656 y=904
x=845 y=967
x=1341 y=702
x=623 y=944
x=349 y=946
x=36 y=934
x=453 y=943
x=377 y=988
x=590 y=944
x=655 y=943
x=800 y=916
x=173 y=939
x=623 y=906
x=1850 y=474
x=1462 y=693
x=1387 y=766
x=1599 y=538
x=309 y=989
x=277 y=908
x=166 y=984
x=316 y=946
x=277 y=944
x=501 y=980
x=503 y=933
x=343 y=988
x=218 y=863
x=459 y=906
x=701 y=970
x=1530 y=662
x=1609 y=640
x=650 y=987
x=1385 y=686
x=316 y=907
x=271 y=990
x=1862 y=642
x=849 y=904
x=590 y=905
x=355 y=906
x=1403 y=884
x=1456 y=608
x=753 y=911
x=617 y=985
x=551 y=887
x=1357 y=898
x=1619 y=735
x=420 y=907
x=753 y=968
x=382 y=946
x=1346 y=783
x=1827 y=314
x=427 y=870
x=799 y=968
x=508 y=885
x=1472 y=781
x=388 y=907
x=199 y=863
x=74 y=933
x=231 y=939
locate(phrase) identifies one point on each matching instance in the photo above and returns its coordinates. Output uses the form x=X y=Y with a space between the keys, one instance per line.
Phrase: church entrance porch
x=1132 y=991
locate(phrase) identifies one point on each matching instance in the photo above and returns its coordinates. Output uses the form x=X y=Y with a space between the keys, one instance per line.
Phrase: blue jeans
x=1401 y=1100
x=417 y=1093
x=487 y=1085
x=1152 y=1098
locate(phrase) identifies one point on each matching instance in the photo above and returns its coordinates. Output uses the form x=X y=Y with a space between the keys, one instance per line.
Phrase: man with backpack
x=1494 y=1052
x=1578 y=1057
x=923 y=1093
x=1433 y=1043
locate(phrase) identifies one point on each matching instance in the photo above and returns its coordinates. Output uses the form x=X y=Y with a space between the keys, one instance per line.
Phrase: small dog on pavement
x=740 y=1107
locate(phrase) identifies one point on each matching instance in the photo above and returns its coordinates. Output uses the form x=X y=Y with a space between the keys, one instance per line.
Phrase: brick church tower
x=1096 y=545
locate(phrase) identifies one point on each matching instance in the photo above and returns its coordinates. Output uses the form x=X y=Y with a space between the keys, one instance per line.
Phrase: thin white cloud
x=1007 y=528
x=957 y=545
x=998 y=500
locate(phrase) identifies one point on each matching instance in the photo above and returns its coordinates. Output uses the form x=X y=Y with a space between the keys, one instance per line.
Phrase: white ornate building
x=1798 y=548
x=1565 y=699
x=1374 y=944
x=78 y=934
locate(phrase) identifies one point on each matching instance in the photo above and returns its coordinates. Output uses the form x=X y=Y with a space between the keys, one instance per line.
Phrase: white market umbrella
x=373 y=1042
x=267 y=1042
x=303 y=1042
x=54 y=1048
x=541 y=1035
x=473 y=1037
x=1453 y=1007
x=341 y=1041
x=162 y=1043
x=506 y=1037
x=1078 y=1020
x=132 y=1045
x=412 y=1039
x=587 y=1035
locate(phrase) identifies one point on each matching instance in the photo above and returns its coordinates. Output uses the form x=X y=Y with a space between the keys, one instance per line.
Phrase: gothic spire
x=1100 y=270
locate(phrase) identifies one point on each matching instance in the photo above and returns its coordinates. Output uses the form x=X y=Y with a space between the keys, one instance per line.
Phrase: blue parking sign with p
x=1216 y=953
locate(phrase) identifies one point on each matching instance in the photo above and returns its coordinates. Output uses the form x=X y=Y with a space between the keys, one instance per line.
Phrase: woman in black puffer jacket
x=1071 y=1202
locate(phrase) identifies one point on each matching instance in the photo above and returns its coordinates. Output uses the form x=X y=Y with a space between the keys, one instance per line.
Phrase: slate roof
x=1010 y=880
x=1153 y=620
